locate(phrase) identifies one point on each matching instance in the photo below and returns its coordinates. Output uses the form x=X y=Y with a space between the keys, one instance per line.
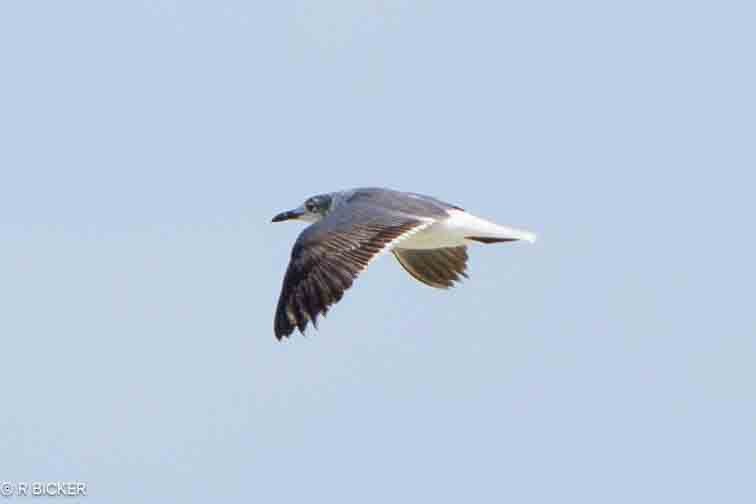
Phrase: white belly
x=435 y=236
x=453 y=232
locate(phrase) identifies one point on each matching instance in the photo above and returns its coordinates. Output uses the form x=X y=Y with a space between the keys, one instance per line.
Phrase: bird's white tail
x=475 y=229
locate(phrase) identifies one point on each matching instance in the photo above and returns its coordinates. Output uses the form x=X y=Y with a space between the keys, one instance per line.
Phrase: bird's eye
x=310 y=206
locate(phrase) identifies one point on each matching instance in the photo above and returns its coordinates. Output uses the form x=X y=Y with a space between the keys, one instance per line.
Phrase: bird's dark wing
x=330 y=254
x=438 y=268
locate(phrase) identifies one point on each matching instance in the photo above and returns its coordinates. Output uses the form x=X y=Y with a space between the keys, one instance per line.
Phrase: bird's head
x=312 y=210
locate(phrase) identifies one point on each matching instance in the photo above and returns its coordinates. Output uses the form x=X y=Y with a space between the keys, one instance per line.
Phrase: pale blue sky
x=146 y=145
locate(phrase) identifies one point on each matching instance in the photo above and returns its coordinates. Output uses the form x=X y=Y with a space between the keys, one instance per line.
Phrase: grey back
x=417 y=205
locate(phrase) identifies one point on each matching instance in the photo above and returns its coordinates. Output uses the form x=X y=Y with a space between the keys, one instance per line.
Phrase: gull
x=349 y=229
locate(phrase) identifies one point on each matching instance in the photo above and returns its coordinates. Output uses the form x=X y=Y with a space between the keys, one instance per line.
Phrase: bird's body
x=351 y=228
x=462 y=228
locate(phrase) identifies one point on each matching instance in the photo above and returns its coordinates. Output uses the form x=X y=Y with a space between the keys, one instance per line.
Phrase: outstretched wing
x=438 y=268
x=330 y=254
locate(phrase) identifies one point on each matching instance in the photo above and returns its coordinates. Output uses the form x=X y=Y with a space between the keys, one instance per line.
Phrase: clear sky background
x=145 y=147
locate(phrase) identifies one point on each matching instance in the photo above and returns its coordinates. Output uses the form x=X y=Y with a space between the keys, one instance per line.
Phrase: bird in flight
x=350 y=228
